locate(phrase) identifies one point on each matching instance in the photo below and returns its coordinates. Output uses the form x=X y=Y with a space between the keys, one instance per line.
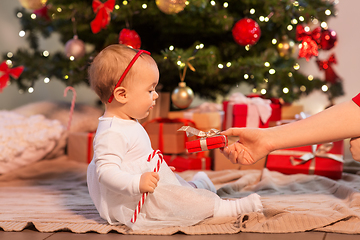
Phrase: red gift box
x=239 y=116
x=324 y=161
x=205 y=144
x=188 y=162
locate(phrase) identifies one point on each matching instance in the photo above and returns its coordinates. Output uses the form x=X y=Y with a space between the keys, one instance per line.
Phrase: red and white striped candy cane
x=144 y=195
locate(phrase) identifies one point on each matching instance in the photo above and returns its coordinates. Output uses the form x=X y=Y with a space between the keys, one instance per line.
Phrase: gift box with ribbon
x=164 y=136
x=80 y=146
x=185 y=162
x=325 y=160
x=208 y=140
x=241 y=111
x=205 y=116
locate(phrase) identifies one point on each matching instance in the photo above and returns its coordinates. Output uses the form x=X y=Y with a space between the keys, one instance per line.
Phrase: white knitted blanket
x=24 y=140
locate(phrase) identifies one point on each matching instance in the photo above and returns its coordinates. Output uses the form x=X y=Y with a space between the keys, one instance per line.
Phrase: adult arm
x=337 y=122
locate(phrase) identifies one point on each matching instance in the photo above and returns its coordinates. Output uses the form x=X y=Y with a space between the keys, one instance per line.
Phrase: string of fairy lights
x=264 y=19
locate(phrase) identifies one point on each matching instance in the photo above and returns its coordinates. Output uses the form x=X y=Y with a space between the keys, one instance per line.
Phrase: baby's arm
x=355 y=148
x=148 y=182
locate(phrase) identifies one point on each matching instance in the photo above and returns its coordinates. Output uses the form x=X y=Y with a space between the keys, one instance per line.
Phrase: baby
x=122 y=168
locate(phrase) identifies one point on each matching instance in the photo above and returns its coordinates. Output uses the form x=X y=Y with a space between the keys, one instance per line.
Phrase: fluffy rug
x=52 y=195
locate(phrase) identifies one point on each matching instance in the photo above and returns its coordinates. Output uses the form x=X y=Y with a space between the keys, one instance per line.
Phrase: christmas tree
x=211 y=45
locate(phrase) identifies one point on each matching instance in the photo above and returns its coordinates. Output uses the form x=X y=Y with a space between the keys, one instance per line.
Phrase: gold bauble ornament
x=33 y=4
x=75 y=48
x=286 y=47
x=182 y=96
x=171 y=6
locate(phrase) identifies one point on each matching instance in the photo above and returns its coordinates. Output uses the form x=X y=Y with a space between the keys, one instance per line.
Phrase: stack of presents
x=190 y=140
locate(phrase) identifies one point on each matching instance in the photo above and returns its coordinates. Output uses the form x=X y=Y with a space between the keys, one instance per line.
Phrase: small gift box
x=164 y=136
x=241 y=111
x=188 y=162
x=80 y=146
x=325 y=160
x=206 y=116
x=208 y=140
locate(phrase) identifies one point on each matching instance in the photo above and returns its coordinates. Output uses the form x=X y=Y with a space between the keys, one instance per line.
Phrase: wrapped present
x=80 y=146
x=164 y=136
x=289 y=111
x=241 y=111
x=188 y=162
x=325 y=160
x=208 y=140
x=206 y=116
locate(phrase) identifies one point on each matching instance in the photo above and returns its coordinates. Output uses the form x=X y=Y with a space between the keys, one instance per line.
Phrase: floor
x=32 y=234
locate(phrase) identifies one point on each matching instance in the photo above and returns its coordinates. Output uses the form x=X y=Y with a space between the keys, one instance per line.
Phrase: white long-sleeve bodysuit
x=121 y=150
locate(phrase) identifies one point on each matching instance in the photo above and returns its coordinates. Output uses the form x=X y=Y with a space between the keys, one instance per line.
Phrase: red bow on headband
x=102 y=11
x=13 y=72
x=330 y=75
x=309 y=41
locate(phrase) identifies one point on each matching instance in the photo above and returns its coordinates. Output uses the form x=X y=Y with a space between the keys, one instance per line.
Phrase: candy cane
x=144 y=195
x=72 y=104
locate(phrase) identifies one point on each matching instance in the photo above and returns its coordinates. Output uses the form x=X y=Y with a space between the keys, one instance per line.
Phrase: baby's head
x=108 y=66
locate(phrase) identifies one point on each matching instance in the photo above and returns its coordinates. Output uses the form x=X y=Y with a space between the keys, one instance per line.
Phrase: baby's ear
x=120 y=94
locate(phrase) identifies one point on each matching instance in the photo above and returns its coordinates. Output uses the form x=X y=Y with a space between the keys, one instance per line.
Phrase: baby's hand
x=148 y=182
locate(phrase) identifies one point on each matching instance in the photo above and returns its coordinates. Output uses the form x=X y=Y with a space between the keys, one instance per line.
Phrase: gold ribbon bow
x=322 y=151
x=190 y=131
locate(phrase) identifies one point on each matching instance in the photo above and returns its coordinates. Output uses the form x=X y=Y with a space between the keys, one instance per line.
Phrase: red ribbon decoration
x=330 y=75
x=102 y=11
x=13 y=72
x=309 y=41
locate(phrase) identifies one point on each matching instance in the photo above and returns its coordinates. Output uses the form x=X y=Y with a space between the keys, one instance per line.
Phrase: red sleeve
x=356 y=99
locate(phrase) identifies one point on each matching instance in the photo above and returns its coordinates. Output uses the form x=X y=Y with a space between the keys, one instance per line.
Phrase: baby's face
x=141 y=92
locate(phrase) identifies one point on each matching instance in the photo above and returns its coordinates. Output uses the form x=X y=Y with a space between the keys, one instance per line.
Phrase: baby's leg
x=232 y=208
x=202 y=181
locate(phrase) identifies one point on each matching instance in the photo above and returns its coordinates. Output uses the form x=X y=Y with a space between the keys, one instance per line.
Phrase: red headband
x=137 y=55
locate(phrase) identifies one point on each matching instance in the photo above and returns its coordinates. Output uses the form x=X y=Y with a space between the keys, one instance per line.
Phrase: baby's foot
x=202 y=181
x=251 y=203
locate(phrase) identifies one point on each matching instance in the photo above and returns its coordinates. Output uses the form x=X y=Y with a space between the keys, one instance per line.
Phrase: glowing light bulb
x=272 y=71
x=246 y=76
x=225 y=4
x=285 y=90
x=46 y=53
x=22 y=33
x=228 y=64
x=171 y=48
x=46 y=80
x=267 y=64
x=310 y=77
x=144 y=6
x=327 y=12
x=252 y=11
x=220 y=66
x=263 y=91
x=31 y=90
x=324 y=88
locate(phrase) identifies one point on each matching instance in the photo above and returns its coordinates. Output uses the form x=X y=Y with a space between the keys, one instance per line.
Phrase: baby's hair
x=107 y=67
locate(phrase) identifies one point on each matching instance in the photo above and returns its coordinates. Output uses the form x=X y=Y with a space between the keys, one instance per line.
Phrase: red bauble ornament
x=130 y=38
x=328 y=39
x=246 y=32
